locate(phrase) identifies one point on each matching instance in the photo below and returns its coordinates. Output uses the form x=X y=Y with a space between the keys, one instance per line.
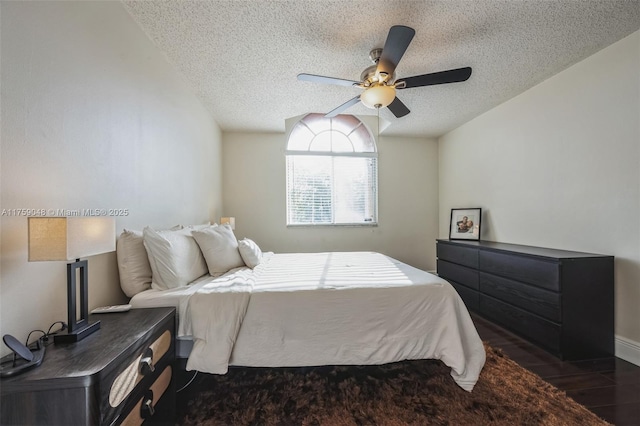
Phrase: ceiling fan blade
x=396 y=44
x=442 y=77
x=398 y=108
x=327 y=80
x=344 y=106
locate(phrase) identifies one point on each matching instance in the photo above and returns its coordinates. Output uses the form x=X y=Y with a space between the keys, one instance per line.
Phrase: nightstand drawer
x=140 y=367
x=128 y=382
x=145 y=406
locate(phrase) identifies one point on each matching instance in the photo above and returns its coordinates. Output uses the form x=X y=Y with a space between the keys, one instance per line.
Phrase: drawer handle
x=147 y=409
x=146 y=363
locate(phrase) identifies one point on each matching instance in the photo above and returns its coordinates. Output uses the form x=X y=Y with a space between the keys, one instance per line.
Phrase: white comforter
x=309 y=309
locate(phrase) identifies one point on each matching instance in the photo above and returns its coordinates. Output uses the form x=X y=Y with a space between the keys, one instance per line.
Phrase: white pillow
x=200 y=227
x=133 y=263
x=174 y=256
x=220 y=248
x=250 y=252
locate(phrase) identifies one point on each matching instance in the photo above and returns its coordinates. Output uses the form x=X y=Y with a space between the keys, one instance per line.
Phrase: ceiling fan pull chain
x=378 y=109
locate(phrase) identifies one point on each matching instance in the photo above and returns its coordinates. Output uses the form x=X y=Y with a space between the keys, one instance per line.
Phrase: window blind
x=331 y=189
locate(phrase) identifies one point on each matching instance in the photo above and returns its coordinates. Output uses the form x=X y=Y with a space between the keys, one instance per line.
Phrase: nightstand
x=121 y=374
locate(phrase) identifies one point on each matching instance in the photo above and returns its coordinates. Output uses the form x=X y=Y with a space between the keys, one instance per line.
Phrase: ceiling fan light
x=378 y=96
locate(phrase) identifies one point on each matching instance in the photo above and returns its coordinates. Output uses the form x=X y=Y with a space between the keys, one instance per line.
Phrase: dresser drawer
x=456 y=254
x=460 y=274
x=533 y=299
x=538 y=272
x=533 y=327
x=471 y=298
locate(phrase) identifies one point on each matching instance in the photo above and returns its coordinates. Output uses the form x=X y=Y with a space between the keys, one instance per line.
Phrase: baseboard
x=628 y=350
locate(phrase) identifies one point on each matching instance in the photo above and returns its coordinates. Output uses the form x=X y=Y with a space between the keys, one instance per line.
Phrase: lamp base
x=76 y=335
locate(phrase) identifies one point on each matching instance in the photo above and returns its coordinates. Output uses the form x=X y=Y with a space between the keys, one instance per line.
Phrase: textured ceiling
x=242 y=57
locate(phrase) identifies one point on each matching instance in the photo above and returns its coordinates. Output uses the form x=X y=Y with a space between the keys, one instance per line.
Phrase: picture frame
x=465 y=224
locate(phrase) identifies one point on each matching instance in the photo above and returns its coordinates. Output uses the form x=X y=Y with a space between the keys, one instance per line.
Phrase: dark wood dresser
x=560 y=300
x=121 y=374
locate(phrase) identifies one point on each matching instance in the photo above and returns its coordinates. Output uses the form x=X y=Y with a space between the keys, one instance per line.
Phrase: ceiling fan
x=379 y=80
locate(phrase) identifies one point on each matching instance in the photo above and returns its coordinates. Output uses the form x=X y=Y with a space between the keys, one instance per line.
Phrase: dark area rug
x=410 y=392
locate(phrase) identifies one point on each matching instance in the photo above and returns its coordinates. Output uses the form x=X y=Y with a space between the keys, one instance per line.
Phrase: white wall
x=92 y=117
x=559 y=166
x=254 y=192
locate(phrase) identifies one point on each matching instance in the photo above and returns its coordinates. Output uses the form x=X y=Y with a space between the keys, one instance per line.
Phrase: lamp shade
x=69 y=238
x=230 y=220
x=378 y=96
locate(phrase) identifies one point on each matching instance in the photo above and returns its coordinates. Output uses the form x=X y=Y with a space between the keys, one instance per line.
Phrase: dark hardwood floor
x=609 y=387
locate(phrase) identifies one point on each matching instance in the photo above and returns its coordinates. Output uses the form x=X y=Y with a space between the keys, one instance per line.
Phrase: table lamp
x=231 y=221
x=70 y=238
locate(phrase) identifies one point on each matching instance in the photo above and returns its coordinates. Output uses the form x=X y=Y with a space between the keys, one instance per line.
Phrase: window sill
x=337 y=225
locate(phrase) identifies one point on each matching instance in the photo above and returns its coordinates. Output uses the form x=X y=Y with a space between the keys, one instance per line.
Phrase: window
x=332 y=172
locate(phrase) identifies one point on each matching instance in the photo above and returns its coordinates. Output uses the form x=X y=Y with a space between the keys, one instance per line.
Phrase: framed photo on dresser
x=465 y=224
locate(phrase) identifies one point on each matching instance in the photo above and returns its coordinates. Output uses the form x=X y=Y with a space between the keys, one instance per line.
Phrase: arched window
x=332 y=172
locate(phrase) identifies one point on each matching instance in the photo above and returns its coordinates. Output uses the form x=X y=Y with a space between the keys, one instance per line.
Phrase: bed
x=311 y=309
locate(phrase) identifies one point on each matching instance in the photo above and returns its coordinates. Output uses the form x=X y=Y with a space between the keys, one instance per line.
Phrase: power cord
x=188 y=383
x=45 y=338
x=63 y=326
x=26 y=343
